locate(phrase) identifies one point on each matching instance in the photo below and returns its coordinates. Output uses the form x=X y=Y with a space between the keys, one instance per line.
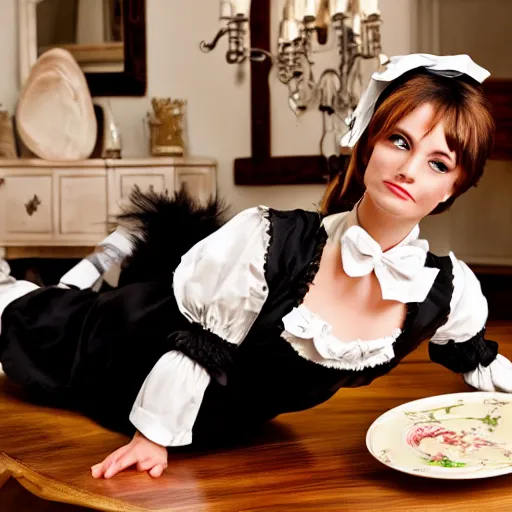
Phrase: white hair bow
x=446 y=65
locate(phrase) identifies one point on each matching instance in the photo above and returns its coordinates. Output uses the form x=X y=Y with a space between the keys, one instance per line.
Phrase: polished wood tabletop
x=312 y=460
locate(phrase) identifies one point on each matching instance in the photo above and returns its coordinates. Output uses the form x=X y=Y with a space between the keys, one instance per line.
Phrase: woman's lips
x=398 y=191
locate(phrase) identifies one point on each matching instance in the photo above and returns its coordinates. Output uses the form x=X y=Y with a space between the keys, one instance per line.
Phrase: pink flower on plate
x=419 y=432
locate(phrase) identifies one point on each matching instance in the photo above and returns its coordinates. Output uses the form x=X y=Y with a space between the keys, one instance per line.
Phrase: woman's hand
x=147 y=455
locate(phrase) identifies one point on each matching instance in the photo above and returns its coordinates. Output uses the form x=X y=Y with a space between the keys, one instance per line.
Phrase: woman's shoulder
x=448 y=262
x=442 y=262
x=294 y=223
x=285 y=214
x=457 y=273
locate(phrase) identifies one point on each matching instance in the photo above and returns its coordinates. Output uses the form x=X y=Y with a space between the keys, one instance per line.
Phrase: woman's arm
x=163 y=413
x=220 y=288
x=461 y=345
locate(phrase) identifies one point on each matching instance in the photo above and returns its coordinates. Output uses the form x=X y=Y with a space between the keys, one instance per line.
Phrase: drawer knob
x=31 y=206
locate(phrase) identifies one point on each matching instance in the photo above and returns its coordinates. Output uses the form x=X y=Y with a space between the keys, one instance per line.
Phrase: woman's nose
x=408 y=170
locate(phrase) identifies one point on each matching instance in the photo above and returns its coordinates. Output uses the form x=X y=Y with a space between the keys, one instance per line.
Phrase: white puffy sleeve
x=220 y=283
x=220 y=288
x=460 y=344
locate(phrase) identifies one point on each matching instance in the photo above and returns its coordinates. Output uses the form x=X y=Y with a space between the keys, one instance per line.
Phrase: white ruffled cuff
x=495 y=377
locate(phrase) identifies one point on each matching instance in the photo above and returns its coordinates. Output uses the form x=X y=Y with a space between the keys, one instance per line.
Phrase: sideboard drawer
x=82 y=204
x=200 y=182
x=122 y=182
x=27 y=204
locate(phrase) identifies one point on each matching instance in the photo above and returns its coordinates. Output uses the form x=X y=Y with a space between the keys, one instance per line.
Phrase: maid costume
x=212 y=337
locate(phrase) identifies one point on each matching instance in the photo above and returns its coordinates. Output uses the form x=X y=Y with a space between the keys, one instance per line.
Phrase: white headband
x=447 y=65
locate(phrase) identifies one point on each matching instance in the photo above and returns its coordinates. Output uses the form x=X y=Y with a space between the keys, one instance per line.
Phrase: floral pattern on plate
x=463 y=435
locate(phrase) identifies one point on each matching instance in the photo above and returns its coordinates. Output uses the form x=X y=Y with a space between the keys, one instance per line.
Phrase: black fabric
x=40 y=337
x=214 y=354
x=423 y=319
x=89 y=351
x=464 y=356
x=297 y=241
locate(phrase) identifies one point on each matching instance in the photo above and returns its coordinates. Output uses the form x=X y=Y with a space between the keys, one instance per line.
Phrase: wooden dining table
x=306 y=461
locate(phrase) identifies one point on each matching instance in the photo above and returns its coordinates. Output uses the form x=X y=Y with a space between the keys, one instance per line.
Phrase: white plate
x=456 y=436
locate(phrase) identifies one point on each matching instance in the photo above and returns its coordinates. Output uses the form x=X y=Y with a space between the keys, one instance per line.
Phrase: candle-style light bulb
x=299 y=9
x=289 y=31
x=311 y=8
x=338 y=7
x=227 y=9
x=243 y=7
x=289 y=28
x=369 y=7
x=354 y=7
x=356 y=24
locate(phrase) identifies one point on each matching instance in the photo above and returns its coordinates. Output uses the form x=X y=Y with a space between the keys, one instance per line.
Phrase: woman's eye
x=399 y=141
x=438 y=166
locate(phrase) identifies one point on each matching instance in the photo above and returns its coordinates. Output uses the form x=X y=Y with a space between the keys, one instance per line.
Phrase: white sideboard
x=61 y=209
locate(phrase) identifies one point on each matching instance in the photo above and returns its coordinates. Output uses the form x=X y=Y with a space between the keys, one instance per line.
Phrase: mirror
x=106 y=37
x=92 y=30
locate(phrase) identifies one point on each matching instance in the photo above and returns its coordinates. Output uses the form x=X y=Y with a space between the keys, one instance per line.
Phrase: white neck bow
x=401 y=271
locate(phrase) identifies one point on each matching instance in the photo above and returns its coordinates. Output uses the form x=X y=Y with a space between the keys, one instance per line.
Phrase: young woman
x=214 y=330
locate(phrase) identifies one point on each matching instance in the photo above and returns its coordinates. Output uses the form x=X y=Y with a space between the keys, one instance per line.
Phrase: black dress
x=93 y=351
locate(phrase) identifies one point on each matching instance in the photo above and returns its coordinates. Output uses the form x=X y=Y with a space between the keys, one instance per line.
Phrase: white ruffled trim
x=311 y=337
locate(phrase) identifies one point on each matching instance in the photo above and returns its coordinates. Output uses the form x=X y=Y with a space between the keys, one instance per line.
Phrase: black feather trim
x=207 y=349
x=166 y=228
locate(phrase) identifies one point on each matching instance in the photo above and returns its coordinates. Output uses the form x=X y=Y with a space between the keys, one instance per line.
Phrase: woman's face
x=412 y=170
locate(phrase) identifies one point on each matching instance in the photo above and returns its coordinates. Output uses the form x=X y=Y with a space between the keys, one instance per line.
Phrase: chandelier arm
x=208 y=47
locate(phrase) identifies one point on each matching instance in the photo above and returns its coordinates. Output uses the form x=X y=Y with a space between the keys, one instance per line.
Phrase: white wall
x=219 y=111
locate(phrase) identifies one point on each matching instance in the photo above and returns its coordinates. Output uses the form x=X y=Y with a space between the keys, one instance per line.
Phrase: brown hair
x=458 y=102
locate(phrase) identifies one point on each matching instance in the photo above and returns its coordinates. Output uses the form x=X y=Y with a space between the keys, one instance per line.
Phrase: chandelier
x=305 y=28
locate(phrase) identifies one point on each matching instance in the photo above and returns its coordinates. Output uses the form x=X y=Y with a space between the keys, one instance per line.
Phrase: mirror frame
x=132 y=81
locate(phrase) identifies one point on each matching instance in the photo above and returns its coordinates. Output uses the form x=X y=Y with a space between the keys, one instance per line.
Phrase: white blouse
x=220 y=283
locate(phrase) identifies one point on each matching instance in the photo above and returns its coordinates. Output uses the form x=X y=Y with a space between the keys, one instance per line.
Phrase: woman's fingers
x=147 y=456
x=145 y=465
x=98 y=470
x=123 y=462
x=157 y=470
